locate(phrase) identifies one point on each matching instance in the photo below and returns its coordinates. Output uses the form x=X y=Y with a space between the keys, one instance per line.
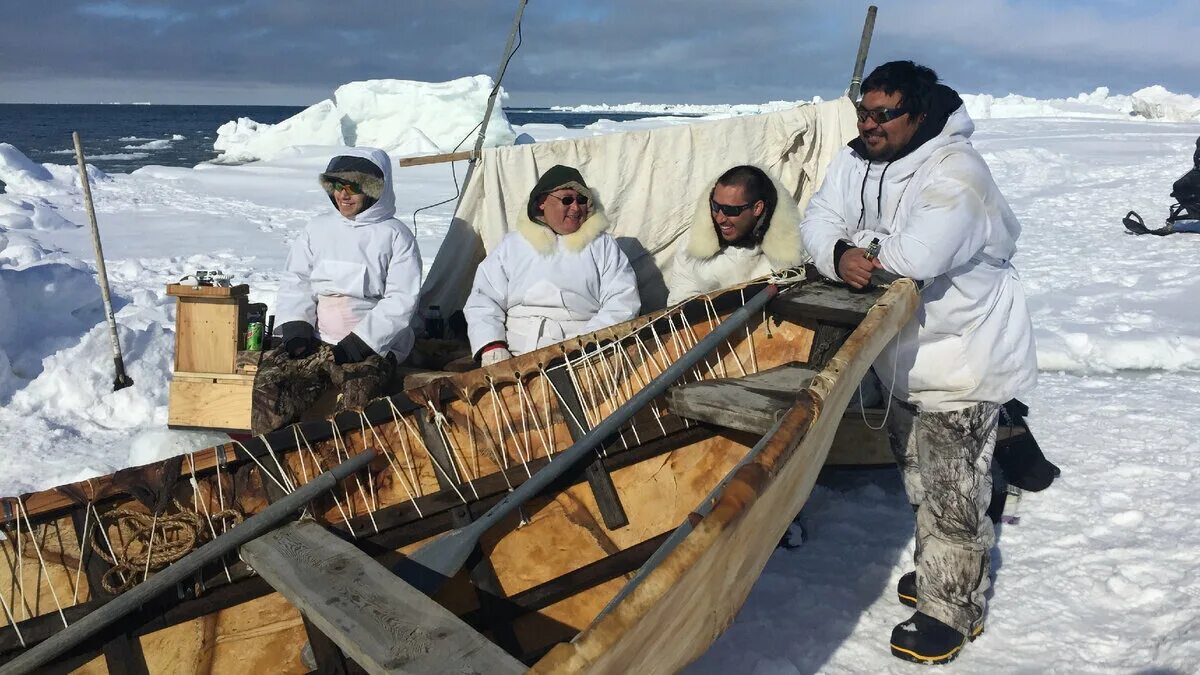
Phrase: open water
x=122 y=138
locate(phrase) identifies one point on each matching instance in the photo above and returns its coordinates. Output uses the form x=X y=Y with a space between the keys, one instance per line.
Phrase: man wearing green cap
x=560 y=274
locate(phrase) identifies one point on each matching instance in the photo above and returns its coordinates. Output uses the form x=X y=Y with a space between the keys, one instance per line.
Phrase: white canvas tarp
x=648 y=183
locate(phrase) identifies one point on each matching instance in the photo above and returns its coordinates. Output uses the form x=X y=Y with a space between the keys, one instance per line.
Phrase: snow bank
x=1155 y=102
x=403 y=117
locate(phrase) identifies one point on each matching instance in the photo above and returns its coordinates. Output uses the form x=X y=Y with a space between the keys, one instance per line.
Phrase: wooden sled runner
x=633 y=561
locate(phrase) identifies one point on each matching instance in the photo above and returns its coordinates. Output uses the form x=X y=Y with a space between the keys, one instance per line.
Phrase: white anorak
x=704 y=265
x=538 y=288
x=940 y=219
x=361 y=274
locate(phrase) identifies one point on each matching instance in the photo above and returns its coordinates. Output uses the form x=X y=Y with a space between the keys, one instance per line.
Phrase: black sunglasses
x=570 y=199
x=881 y=115
x=336 y=185
x=730 y=210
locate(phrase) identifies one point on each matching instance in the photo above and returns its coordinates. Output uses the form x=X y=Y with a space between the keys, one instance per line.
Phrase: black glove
x=351 y=350
x=297 y=339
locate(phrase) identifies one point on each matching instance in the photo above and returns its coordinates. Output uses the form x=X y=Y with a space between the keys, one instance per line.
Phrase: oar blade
x=429 y=568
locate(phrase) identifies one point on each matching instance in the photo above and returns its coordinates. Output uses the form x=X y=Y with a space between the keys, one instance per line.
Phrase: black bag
x=1186 y=192
x=1019 y=456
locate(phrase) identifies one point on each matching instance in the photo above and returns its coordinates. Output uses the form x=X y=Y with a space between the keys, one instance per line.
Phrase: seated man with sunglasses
x=913 y=184
x=346 y=298
x=559 y=275
x=745 y=226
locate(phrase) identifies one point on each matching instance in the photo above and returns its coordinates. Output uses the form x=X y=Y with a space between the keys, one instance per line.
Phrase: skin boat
x=635 y=560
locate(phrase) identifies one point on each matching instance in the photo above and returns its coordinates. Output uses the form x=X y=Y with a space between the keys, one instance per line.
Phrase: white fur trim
x=781 y=244
x=543 y=239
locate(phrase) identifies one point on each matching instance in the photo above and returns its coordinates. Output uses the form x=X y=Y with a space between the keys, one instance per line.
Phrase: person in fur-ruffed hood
x=746 y=226
x=346 y=298
x=559 y=275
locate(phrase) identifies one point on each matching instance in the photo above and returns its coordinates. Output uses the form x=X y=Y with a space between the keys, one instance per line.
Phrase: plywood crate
x=210 y=401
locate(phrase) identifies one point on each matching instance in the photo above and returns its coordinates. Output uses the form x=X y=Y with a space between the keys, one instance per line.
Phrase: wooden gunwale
x=651 y=629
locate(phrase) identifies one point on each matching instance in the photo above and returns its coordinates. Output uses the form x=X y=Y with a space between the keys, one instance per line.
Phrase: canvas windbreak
x=647 y=182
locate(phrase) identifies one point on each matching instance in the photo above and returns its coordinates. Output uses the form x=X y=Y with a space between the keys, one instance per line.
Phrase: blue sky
x=296 y=52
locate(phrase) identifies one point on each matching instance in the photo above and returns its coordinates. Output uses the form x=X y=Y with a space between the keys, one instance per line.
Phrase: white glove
x=494 y=356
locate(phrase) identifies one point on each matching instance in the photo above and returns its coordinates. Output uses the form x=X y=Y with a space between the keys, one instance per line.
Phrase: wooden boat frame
x=561 y=600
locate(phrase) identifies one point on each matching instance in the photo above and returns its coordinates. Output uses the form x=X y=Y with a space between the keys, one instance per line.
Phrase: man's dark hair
x=756 y=185
x=753 y=181
x=915 y=84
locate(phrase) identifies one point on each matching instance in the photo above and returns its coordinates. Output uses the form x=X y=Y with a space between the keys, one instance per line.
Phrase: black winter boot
x=924 y=639
x=906 y=590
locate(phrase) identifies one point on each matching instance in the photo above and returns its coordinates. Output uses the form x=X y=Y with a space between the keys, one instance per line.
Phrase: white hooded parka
x=940 y=219
x=361 y=274
x=538 y=287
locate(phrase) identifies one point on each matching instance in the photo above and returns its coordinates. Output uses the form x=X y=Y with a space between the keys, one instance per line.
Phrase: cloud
x=573 y=51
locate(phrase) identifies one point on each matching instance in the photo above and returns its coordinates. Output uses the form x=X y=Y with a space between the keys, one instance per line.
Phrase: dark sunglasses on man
x=571 y=199
x=730 y=210
x=879 y=115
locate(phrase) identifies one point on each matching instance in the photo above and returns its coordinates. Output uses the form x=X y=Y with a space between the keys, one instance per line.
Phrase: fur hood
x=781 y=244
x=372 y=169
x=542 y=238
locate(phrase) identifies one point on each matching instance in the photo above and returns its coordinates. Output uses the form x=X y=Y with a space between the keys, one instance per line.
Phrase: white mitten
x=494 y=356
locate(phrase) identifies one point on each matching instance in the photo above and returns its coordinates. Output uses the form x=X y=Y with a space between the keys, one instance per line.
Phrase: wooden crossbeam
x=752 y=403
x=385 y=625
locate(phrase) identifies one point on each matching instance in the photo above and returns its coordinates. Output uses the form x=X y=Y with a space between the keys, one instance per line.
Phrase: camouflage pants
x=945 y=461
x=285 y=387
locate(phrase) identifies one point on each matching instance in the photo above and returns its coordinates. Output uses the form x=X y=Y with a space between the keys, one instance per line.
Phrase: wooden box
x=210 y=401
x=210 y=324
x=211 y=386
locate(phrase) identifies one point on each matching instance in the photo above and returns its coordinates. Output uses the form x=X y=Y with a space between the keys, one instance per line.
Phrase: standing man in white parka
x=912 y=180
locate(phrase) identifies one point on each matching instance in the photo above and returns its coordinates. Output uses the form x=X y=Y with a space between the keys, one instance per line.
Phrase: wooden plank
x=603 y=490
x=385 y=625
x=821 y=301
x=752 y=403
x=210 y=402
x=435 y=159
x=182 y=291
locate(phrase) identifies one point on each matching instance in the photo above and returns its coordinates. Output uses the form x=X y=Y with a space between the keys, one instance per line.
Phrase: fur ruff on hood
x=372 y=186
x=543 y=239
x=781 y=244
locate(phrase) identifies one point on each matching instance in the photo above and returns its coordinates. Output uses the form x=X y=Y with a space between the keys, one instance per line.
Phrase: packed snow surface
x=1100 y=576
x=401 y=116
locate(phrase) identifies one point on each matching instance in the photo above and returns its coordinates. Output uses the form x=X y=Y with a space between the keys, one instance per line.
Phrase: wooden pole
x=121 y=380
x=487 y=115
x=864 y=45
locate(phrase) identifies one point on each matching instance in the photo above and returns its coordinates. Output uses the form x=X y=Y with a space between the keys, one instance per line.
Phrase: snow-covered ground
x=1101 y=575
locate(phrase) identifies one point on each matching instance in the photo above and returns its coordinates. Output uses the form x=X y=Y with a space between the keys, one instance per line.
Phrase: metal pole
x=432 y=565
x=253 y=527
x=121 y=380
x=864 y=44
x=487 y=115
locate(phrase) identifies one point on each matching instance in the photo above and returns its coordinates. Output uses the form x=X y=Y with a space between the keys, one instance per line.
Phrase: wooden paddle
x=433 y=565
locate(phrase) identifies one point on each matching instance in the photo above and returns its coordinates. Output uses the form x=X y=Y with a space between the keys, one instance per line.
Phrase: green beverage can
x=254 y=336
